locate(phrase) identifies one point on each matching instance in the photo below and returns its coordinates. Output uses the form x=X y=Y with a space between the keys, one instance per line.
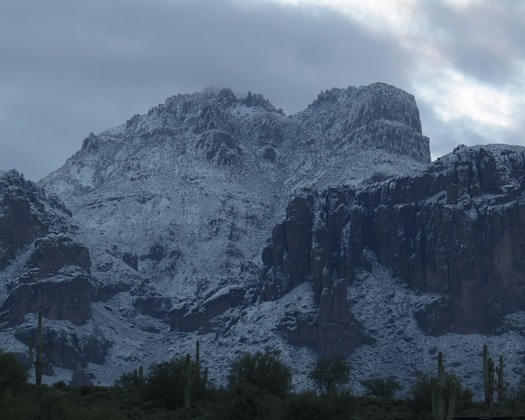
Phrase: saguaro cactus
x=38 y=359
x=189 y=380
x=197 y=365
x=500 y=383
x=194 y=378
x=439 y=391
x=488 y=377
x=138 y=377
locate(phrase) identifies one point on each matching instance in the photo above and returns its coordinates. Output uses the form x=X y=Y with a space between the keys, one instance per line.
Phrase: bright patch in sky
x=94 y=65
x=452 y=94
x=456 y=97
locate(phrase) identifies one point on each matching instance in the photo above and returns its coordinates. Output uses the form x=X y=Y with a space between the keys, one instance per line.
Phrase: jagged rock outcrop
x=57 y=282
x=455 y=229
x=308 y=247
x=377 y=116
x=183 y=194
x=197 y=317
x=72 y=348
x=153 y=305
x=171 y=209
x=55 y=277
x=56 y=251
x=23 y=216
x=66 y=295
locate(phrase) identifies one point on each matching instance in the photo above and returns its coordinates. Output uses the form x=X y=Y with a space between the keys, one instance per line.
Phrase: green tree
x=381 y=387
x=165 y=383
x=12 y=374
x=330 y=374
x=263 y=371
x=131 y=381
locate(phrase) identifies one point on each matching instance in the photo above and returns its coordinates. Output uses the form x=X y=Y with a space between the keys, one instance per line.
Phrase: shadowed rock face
x=456 y=229
x=56 y=282
x=71 y=349
x=173 y=205
x=308 y=247
x=66 y=296
x=56 y=279
x=56 y=251
x=22 y=216
x=198 y=317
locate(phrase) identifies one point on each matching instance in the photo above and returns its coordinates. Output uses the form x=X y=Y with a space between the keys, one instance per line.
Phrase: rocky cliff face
x=43 y=270
x=455 y=229
x=215 y=216
x=174 y=204
x=22 y=215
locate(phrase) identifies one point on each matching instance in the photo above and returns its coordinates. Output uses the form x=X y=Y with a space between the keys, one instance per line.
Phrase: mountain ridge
x=218 y=217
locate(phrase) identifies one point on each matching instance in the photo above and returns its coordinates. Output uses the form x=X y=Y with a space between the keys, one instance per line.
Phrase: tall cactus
x=194 y=378
x=201 y=378
x=38 y=359
x=138 y=377
x=500 y=383
x=189 y=380
x=486 y=383
x=488 y=377
x=197 y=365
x=438 y=389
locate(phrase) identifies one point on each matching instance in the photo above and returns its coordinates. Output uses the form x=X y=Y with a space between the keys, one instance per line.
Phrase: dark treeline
x=258 y=386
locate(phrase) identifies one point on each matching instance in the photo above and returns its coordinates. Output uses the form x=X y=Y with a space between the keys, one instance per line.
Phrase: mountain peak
x=174 y=205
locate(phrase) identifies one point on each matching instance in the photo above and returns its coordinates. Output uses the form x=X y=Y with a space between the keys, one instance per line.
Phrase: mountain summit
x=216 y=216
x=192 y=187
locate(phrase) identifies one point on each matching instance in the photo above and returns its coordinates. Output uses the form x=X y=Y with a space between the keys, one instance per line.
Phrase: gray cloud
x=484 y=40
x=484 y=43
x=70 y=68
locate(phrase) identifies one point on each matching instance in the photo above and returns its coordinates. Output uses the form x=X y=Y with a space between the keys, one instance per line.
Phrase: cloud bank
x=70 y=68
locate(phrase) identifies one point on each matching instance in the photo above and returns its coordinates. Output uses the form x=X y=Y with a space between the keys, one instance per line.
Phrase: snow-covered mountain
x=216 y=217
x=192 y=189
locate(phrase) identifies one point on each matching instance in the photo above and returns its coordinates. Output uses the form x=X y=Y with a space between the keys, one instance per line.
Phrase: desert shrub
x=381 y=387
x=330 y=374
x=420 y=400
x=130 y=381
x=60 y=385
x=165 y=383
x=263 y=371
x=518 y=394
x=382 y=408
x=307 y=406
x=250 y=403
x=12 y=374
x=17 y=406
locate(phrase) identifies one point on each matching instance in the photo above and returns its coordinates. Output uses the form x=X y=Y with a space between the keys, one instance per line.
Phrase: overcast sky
x=68 y=68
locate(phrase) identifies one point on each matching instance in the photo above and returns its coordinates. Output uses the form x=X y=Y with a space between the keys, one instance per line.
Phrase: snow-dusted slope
x=175 y=207
x=194 y=187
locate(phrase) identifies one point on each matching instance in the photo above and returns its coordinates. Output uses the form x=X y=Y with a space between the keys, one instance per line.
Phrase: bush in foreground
x=381 y=387
x=263 y=371
x=330 y=374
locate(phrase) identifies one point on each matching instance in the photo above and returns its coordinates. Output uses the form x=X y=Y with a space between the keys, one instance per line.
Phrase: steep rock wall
x=455 y=229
